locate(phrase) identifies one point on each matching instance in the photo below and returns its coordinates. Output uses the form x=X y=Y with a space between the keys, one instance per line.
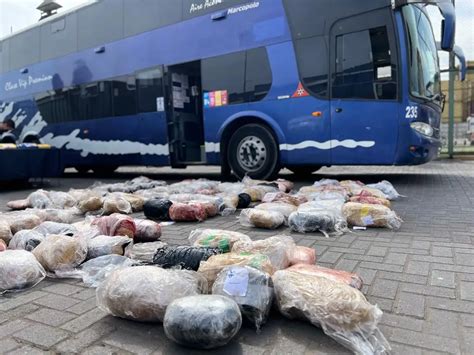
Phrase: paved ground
x=422 y=276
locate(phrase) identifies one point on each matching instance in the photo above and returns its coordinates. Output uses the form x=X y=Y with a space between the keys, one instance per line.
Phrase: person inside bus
x=7 y=126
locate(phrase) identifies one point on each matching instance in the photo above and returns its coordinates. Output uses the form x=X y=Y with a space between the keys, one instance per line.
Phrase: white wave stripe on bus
x=5 y=110
x=331 y=144
x=114 y=147
x=212 y=147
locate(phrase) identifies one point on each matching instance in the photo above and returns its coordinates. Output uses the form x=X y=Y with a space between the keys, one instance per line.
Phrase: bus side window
x=124 y=96
x=364 y=68
x=149 y=87
x=258 y=75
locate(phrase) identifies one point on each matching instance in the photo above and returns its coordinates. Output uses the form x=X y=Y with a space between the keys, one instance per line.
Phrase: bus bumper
x=419 y=150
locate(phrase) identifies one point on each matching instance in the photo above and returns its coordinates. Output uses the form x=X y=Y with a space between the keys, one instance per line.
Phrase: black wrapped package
x=157 y=209
x=316 y=221
x=203 y=321
x=244 y=200
x=183 y=256
x=250 y=288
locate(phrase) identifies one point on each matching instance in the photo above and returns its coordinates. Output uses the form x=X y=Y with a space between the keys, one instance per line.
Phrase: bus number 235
x=411 y=112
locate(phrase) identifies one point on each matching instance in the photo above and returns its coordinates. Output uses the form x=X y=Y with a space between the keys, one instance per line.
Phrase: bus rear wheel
x=253 y=151
x=304 y=171
x=104 y=170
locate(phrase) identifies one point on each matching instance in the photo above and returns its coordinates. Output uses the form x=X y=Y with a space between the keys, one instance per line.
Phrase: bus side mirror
x=448 y=25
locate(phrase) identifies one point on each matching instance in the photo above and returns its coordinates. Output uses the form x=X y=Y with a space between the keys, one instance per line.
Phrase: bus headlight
x=423 y=128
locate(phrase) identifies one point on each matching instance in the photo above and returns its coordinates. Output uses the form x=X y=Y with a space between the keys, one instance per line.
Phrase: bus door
x=185 y=114
x=364 y=91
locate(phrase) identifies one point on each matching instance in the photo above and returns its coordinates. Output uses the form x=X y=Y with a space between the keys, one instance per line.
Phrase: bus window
x=225 y=73
x=364 y=68
x=312 y=54
x=124 y=96
x=149 y=88
x=258 y=74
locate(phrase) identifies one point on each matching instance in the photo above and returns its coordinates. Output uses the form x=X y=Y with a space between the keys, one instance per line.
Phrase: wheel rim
x=251 y=153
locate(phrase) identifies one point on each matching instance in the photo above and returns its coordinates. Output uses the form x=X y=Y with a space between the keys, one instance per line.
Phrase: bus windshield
x=424 y=63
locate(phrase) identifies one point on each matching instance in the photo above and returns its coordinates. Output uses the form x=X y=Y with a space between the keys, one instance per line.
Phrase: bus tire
x=82 y=169
x=104 y=170
x=304 y=171
x=253 y=151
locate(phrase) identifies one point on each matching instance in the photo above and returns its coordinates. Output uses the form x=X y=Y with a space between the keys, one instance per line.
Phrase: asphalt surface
x=421 y=276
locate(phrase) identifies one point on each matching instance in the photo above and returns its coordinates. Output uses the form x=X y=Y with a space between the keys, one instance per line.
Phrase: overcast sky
x=18 y=14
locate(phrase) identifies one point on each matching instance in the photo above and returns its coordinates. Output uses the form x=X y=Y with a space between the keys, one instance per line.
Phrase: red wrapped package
x=348 y=278
x=3 y=245
x=285 y=198
x=303 y=255
x=187 y=212
x=367 y=197
x=147 y=231
x=211 y=209
x=116 y=225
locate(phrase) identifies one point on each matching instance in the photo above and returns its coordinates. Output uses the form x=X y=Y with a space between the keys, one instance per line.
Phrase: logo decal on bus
x=215 y=98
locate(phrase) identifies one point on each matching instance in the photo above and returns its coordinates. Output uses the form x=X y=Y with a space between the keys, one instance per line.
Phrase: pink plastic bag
x=348 y=278
x=187 y=212
x=303 y=255
x=147 y=231
x=116 y=225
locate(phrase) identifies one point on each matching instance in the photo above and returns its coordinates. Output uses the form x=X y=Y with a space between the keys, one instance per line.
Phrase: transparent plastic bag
x=60 y=252
x=334 y=206
x=90 y=203
x=116 y=204
x=250 y=288
x=5 y=231
x=367 y=215
x=255 y=194
x=144 y=252
x=3 y=245
x=202 y=322
x=105 y=245
x=116 y=225
x=231 y=187
x=277 y=248
x=303 y=255
x=26 y=240
x=348 y=278
x=284 y=208
x=327 y=195
x=387 y=188
x=18 y=204
x=325 y=221
x=55 y=215
x=216 y=238
x=261 y=219
x=364 y=197
x=19 y=270
x=95 y=271
x=183 y=257
x=368 y=191
x=143 y=293
x=47 y=228
x=340 y=310
x=61 y=199
x=40 y=199
x=215 y=264
x=135 y=201
x=230 y=202
x=285 y=185
x=22 y=220
x=147 y=231
x=182 y=212
x=295 y=200
x=326 y=182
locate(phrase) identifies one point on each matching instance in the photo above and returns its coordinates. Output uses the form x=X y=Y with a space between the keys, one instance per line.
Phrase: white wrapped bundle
x=26 y=240
x=19 y=269
x=284 y=208
x=252 y=217
x=369 y=215
x=105 y=245
x=142 y=293
x=5 y=231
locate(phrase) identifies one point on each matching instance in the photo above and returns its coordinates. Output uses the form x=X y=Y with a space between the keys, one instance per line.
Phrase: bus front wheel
x=253 y=151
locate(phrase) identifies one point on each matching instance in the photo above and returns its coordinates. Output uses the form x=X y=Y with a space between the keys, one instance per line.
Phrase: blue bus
x=252 y=86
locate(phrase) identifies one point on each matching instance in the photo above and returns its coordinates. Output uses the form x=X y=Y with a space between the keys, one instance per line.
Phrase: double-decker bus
x=252 y=86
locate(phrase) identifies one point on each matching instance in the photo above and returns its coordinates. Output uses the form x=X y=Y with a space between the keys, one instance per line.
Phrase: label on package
x=368 y=220
x=236 y=282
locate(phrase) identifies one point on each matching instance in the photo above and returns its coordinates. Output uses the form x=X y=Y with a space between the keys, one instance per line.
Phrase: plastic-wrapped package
x=364 y=197
x=3 y=245
x=326 y=182
x=19 y=270
x=22 y=221
x=284 y=208
x=209 y=207
x=202 y=322
x=116 y=225
x=244 y=200
x=352 y=185
x=216 y=238
x=387 y=188
x=143 y=293
x=135 y=201
x=18 y=204
x=330 y=205
x=341 y=311
x=60 y=252
x=327 y=195
x=147 y=231
x=255 y=194
x=230 y=203
x=61 y=199
x=95 y=271
x=5 y=231
x=303 y=255
x=187 y=212
x=47 y=228
x=251 y=217
x=184 y=257
x=116 y=204
x=278 y=249
x=157 y=209
x=160 y=193
x=26 y=240
x=215 y=264
x=324 y=221
x=231 y=187
x=367 y=215
x=40 y=199
x=144 y=252
x=250 y=288
x=90 y=203
x=55 y=215
x=105 y=245
x=295 y=200
x=285 y=185
x=348 y=278
x=368 y=191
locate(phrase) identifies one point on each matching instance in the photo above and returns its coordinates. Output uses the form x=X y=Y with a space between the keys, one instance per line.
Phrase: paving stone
x=329 y=257
x=443 y=279
x=430 y=342
x=451 y=305
x=85 y=294
x=135 y=342
x=464 y=259
x=346 y=265
x=18 y=312
x=16 y=325
x=404 y=322
x=385 y=267
x=8 y=344
x=428 y=290
x=26 y=350
x=64 y=289
x=84 y=321
x=367 y=275
x=411 y=305
x=442 y=323
x=385 y=289
x=418 y=268
x=377 y=251
x=442 y=251
x=467 y=320
x=51 y=317
x=467 y=291
x=396 y=258
x=403 y=277
x=83 y=306
x=56 y=302
x=85 y=338
x=101 y=350
x=21 y=300
x=41 y=335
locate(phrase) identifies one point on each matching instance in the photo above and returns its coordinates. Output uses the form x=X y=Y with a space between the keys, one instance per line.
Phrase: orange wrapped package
x=348 y=278
x=303 y=255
